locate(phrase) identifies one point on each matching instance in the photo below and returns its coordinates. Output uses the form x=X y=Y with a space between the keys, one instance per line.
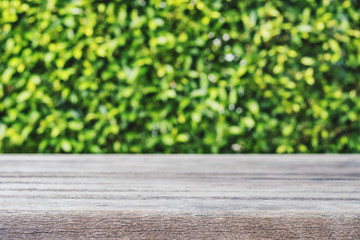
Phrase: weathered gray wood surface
x=179 y=196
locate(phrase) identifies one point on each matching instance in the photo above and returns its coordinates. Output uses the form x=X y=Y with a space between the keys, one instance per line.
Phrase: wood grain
x=179 y=196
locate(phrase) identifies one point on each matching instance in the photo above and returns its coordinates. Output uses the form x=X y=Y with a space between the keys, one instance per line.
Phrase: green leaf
x=234 y=130
x=76 y=126
x=307 y=61
x=7 y=74
x=253 y=107
x=182 y=138
x=65 y=145
x=248 y=122
x=168 y=140
x=23 y=96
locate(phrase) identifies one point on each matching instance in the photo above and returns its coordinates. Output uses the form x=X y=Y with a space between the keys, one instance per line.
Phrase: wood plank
x=179 y=196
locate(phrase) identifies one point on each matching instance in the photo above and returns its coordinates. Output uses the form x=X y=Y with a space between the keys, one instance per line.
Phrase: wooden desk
x=179 y=196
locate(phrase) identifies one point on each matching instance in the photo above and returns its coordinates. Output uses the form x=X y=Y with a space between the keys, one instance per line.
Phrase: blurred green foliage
x=179 y=76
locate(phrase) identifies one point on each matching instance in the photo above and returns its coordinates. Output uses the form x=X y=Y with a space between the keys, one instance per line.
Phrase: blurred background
x=176 y=76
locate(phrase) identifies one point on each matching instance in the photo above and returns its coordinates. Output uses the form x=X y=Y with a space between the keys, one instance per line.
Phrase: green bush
x=179 y=76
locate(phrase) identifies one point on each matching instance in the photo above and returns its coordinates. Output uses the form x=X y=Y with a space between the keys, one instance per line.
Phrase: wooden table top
x=179 y=196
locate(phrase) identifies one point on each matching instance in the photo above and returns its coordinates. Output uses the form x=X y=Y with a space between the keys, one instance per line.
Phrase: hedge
x=176 y=76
